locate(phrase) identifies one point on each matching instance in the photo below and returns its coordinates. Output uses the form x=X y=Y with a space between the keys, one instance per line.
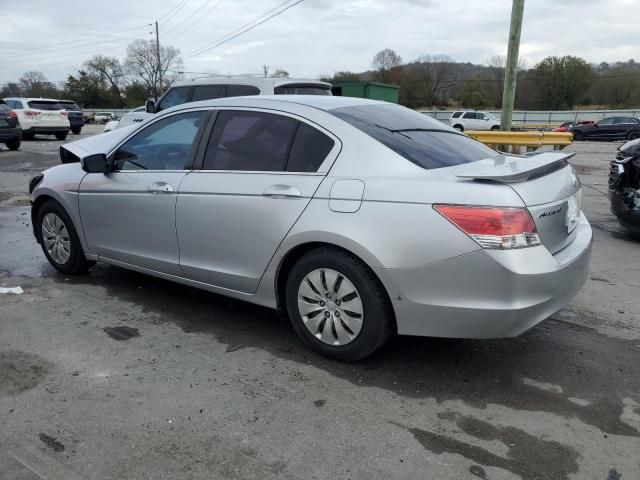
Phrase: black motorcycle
x=624 y=186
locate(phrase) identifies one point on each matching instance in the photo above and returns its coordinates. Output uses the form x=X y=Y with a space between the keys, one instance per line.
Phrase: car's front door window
x=167 y=144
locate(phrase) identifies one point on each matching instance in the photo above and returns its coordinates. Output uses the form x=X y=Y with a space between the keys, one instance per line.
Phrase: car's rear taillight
x=64 y=113
x=13 y=114
x=31 y=113
x=493 y=227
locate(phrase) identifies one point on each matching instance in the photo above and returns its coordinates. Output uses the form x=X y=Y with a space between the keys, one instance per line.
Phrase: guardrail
x=531 y=140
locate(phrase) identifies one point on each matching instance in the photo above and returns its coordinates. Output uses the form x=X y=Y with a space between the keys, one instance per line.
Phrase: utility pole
x=266 y=70
x=158 y=90
x=511 y=68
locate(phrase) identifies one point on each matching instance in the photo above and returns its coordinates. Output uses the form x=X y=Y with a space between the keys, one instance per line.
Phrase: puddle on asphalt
x=121 y=333
x=21 y=371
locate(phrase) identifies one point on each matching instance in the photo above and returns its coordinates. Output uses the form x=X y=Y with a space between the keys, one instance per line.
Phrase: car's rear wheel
x=337 y=305
x=61 y=135
x=76 y=131
x=578 y=136
x=59 y=239
x=13 y=144
x=459 y=127
x=633 y=135
x=495 y=127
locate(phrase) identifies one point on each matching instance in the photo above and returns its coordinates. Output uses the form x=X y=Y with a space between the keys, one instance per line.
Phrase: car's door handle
x=282 y=191
x=160 y=187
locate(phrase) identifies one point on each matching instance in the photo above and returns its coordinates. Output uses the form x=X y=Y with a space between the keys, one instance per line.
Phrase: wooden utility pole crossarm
x=511 y=68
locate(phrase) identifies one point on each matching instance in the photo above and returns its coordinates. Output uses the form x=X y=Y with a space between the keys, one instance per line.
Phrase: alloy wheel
x=55 y=238
x=330 y=307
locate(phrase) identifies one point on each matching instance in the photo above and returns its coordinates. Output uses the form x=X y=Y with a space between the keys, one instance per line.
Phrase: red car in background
x=565 y=126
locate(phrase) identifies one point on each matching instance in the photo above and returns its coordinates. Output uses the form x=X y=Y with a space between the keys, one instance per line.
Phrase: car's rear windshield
x=71 y=106
x=420 y=139
x=294 y=89
x=44 y=105
x=4 y=107
x=456 y=114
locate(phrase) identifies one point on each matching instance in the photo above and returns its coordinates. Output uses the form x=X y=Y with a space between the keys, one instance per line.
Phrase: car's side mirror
x=97 y=163
x=150 y=106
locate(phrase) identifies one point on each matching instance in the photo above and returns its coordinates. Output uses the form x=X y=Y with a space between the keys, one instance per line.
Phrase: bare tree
x=383 y=62
x=109 y=69
x=35 y=84
x=426 y=81
x=280 y=73
x=496 y=65
x=142 y=62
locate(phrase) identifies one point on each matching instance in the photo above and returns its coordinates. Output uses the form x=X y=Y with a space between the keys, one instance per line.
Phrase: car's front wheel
x=633 y=135
x=13 y=144
x=578 y=136
x=337 y=305
x=59 y=239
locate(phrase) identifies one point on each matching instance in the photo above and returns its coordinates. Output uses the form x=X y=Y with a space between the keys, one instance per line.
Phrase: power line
x=174 y=9
x=219 y=42
x=198 y=20
x=188 y=17
x=49 y=46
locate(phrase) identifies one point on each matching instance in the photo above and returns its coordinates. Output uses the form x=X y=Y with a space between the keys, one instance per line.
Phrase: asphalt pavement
x=117 y=375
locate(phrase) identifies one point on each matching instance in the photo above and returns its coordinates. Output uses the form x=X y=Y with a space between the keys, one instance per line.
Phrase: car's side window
x=167 y=144
x=175 y=96
x=606 y=121
x=206 y=92
x=623 y=120
x=247 y=140
x=241 y=90
x=309 y=149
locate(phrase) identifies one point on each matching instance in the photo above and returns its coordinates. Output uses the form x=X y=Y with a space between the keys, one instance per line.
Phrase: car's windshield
x=44 y=105
x=420 y=139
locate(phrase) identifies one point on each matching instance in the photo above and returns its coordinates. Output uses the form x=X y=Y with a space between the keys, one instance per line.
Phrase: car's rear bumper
x=46 y=130
x=489 y=293
x=10 y=133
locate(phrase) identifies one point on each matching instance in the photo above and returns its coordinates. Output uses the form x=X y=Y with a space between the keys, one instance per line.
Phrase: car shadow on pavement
x=557 y=367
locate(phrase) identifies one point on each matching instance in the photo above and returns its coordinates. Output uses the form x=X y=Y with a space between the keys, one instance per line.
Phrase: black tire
x=27 y=136
x=77 y=130
x=77 y=263
x=495 y=127
x=13 y=144
x=459 y=127
x=62 y=135
x=378 y=320
x=633 y=135
x=578 y=137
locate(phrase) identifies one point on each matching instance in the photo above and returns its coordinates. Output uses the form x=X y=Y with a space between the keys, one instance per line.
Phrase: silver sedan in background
x=359 y=219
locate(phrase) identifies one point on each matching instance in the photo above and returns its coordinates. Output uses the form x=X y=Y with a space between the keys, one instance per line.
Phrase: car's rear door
x=128 y=215
x=258 y=173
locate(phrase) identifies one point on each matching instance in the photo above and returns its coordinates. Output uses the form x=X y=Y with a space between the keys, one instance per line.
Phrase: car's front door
x=259 y=172
x=604 y=129
x=128 y=215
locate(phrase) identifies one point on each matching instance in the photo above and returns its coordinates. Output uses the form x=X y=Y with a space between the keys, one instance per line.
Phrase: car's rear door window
x=420 y=139
x=242 y=90
x=310 y=148
x=250 y=141
x=294 y=89
x=207 y=92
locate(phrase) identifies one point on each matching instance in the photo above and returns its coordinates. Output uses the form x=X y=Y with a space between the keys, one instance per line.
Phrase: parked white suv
x=40 y=116
x=136 y=115
x=219 y=87
x=473 y=120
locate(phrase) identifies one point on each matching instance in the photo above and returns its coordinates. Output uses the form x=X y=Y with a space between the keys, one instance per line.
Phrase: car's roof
x=30 y=99
x=321 y=102
x=257 y=81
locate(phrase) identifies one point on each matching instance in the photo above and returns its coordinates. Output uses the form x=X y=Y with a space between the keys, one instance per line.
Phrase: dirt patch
x=21 y=371
x=51 y=442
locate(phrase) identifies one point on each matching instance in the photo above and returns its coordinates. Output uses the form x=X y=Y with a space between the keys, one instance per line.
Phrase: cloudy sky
x=311 y=38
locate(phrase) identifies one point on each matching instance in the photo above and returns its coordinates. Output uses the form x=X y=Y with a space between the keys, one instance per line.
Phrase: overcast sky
x=312 y=38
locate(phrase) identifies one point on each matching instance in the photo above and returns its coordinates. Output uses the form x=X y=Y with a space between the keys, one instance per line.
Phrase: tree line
x=430 y=81
x=554 y=83
x=105 y=81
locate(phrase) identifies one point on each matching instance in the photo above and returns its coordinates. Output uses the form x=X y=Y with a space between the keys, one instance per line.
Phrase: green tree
x=473 y=94
x=561 y=81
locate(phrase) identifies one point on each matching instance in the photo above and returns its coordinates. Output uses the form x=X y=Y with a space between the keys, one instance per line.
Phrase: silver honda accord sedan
x=359 y=219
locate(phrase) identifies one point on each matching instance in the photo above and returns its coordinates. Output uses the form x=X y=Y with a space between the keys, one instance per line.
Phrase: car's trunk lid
x=547 y=185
